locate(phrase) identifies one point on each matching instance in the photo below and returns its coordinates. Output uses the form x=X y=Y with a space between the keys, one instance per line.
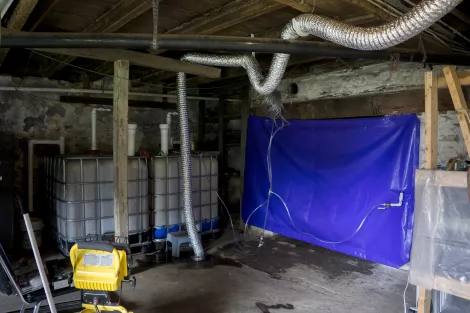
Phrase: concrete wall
x=43 y=116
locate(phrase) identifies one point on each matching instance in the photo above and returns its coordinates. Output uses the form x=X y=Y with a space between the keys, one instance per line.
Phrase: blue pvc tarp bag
x=333 y=175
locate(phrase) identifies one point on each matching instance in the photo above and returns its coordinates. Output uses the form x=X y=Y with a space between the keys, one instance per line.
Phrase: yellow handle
x=73 y=255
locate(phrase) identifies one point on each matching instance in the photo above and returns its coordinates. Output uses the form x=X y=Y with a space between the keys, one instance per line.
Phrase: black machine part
x=100 y=297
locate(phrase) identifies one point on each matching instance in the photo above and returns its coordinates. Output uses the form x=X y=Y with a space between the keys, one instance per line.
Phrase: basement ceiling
x=262 y=18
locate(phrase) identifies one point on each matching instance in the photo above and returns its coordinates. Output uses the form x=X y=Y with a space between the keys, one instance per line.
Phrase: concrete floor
x=284 y=272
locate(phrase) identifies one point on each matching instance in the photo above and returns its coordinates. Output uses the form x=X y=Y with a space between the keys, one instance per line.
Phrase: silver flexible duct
x=186 y=172
x=374 y=38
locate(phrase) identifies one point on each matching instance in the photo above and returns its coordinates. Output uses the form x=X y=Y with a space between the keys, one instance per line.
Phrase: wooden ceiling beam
x=141 y=59
x=39 y=14
x=358 y=20
x=299 y=5
x=19 y=17
x=119 y=15
x=226 y=16
x=308 y=7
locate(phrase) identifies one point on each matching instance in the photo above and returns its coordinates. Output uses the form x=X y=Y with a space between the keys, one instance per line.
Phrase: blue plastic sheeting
x=331 y=174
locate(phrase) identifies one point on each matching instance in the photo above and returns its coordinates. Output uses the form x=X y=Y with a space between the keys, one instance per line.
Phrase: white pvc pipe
x=40 y=265
x=168 y=122
x=93 y=126
x=164 y=138
x=105 y=92
x=131 y=130
x=93 y=130
x=31 y=144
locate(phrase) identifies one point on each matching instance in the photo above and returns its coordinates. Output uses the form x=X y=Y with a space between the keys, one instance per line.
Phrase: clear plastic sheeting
x=440 y=256
x=446 y=303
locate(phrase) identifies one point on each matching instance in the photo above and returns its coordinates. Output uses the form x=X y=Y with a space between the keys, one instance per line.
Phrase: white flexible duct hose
x=186 y=172
x=374 y=38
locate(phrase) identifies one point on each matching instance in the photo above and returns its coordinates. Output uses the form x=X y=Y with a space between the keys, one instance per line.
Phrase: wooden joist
x=231 y=14
x=122 y=13
x=456 y=92
x=39 y=14
x=19 y=17
x=141 y=59
x=221 y=18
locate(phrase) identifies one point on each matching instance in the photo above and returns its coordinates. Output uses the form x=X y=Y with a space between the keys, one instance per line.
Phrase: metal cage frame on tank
x=139 y=237
x=173 y=215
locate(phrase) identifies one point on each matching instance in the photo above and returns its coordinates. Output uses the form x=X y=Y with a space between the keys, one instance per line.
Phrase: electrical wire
x=404 y=296
x=235 y=239
x=96 y=308
x=326 y=241
x=274 y=131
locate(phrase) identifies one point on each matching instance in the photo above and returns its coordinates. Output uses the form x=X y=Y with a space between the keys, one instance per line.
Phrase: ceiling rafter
x=19 y=17
x=223 y=17
x=121 y=14
x=40 y=13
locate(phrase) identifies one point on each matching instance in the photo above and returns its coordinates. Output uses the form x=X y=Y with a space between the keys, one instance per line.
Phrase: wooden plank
x=464 y=79
x=223 y=17
x=201 y=125
x=120 y=116
x=109 y=101
x=424 y=301
x=17 y=20
x=431 y=114
x=452 y=286
x=223 y=180
x=119 y=15
x=460 y=104
x=40 y=13
x=299 y=5
x=141 y=59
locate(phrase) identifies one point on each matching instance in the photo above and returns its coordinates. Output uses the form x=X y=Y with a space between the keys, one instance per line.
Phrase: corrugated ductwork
x=375 y=38
x=185 y=159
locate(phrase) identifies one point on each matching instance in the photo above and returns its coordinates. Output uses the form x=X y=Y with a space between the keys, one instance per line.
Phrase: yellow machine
x=99 y=268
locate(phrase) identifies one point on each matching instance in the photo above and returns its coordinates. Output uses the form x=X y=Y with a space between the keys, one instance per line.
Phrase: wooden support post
x=424 y=300
x=120 y=115
x=431 y=114
x=223 y=181
x=245 y=113
x=460 y=104
x=201 y=125
x=430 y=157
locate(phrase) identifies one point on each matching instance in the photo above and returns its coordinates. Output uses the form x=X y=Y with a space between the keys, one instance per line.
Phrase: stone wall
x=25 y=115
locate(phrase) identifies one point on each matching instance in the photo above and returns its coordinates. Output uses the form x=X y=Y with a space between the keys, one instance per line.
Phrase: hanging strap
x=155 y=4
